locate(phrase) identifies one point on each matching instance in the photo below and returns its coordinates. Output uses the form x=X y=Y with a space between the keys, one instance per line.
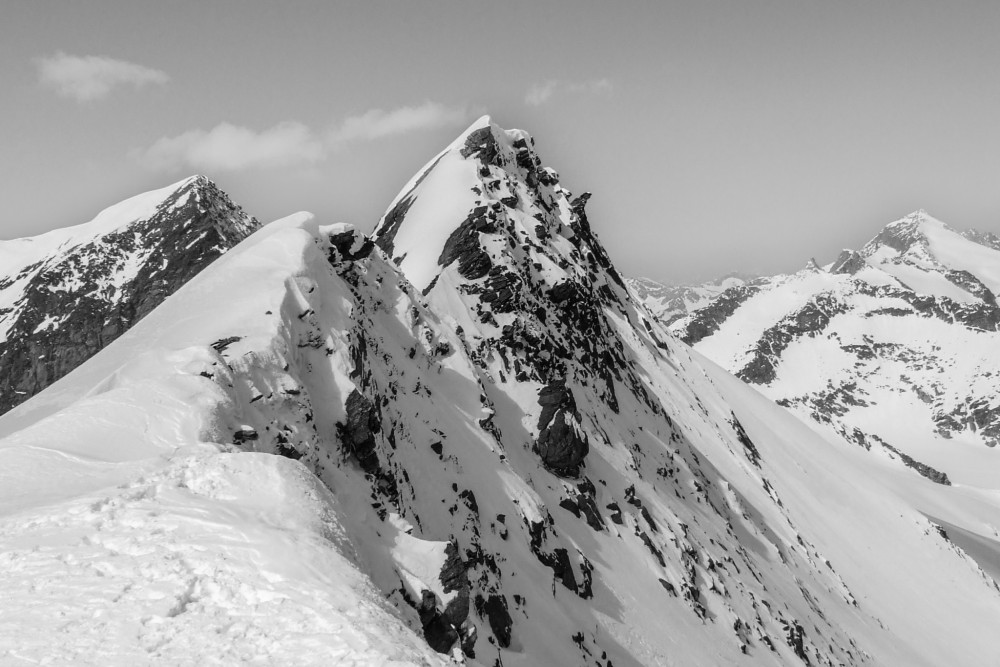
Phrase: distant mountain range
x=892 y=346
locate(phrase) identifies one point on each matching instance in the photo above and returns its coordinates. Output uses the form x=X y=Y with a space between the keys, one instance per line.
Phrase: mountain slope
x=892 y=346
x=524 y=464
x=669 y=303
x=66 y=294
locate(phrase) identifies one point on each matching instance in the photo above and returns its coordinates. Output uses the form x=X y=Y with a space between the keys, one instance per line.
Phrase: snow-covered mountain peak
x=906 y=326
x=67 y=293
x=930 y=257
x=901 y=235
x=487 y=176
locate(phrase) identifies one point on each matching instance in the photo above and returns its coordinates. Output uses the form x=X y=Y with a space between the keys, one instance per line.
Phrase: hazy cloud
x=378 y=123
x=228 y=147
x=88 y=78
x=540 y=93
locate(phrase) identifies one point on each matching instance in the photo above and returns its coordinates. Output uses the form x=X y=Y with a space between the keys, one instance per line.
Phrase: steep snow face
x=654 y=466
x=66 y=294
x=518 y=465
x=892 y=348
x=932 y=258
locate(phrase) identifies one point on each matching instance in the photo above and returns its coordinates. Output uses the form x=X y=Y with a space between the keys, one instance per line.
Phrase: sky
x=745 y=135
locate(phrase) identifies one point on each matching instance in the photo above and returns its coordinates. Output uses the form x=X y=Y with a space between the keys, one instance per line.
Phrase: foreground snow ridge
x=211 y=559
x=461 y=440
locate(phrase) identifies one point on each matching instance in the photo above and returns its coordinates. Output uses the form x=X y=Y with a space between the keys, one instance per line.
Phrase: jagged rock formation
x=909 y=321
x=561 y=442
x=66 y=295
x=518 y=464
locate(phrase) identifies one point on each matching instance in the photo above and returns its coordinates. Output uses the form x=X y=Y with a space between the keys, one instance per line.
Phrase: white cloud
x=228 y=147
x=88 y=78
x=540 y=93
x=377 y=123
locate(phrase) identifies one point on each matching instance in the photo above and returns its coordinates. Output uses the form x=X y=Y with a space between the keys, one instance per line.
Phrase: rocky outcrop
x=463 y=244
x=972 y=285
x=706 y=321
x=444 y=628
x=987 y=239
x=984 y=316
x=358 y=432
x=849 y=262
x=483 y=145
x=923 y=469
x=494 y=609
x=561 y=442
x=810 y=320
x=348 y=244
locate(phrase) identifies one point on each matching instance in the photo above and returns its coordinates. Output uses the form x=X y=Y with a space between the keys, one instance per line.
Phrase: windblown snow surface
x=300 y=458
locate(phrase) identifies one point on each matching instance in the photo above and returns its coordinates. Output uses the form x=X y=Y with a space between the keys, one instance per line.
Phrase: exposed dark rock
x=930 y=473
x=470 y=501
x=983 y=316
x=900 y=235
x=494 y=609
x=349 y=245
x=464 y=247
x=385 y=235
x=439 y=634
x=570 y=505
x=483 y=145
x=668 y=587
x=706 y=321
x=286 y=450
x=561 y=442
x=741 y=434
x=454 y=576
x=972 y=285
x=502 y=290
x=988 y=239
x=245 y=435
x=223 y=343
x=795 y=638
x=585 y=236
x=358 y=434
x=849 y=262
x=657 y=554
x=588 y=507
x=809 y=320
x=564 y=292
